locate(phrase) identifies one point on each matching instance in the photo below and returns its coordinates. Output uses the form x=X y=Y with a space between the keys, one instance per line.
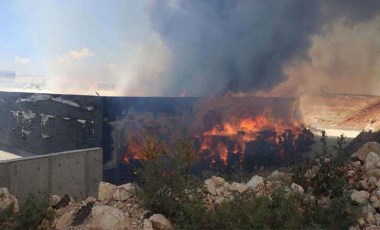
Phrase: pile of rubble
x=367 y=161
x=115 y=208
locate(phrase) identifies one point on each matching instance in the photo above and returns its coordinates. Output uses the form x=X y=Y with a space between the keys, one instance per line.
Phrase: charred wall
x=34 y=124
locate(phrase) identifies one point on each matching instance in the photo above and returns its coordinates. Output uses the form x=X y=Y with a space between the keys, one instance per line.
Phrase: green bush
x=169 y=188
x=34 y=210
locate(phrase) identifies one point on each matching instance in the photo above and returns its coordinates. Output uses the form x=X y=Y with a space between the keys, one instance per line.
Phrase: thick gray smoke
x=218 y=46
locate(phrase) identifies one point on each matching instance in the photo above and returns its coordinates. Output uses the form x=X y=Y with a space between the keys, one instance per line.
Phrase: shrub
x=169 y=189
x=34 y=210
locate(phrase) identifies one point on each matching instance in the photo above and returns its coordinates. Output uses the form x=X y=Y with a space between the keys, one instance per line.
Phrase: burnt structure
x=33 y=124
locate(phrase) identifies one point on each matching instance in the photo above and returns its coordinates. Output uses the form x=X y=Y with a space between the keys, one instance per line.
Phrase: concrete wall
x=76 y=173
x=37 y=124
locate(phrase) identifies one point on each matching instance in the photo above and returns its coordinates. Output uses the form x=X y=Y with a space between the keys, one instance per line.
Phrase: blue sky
x=34 y=34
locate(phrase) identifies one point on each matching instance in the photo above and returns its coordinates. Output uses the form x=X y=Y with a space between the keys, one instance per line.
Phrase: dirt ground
x=347 y=112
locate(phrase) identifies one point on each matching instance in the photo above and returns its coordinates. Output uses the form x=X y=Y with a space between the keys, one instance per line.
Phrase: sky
x=41 y=37
x=194 y=47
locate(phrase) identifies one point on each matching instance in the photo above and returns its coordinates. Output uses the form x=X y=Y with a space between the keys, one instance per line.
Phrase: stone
x=350 y=173
x=371 y=160
x=255 y=182
x=360 y=197
x=354 y=156
x=366 y=149
x=106 y=191
x=220 y=191
x=368 y=208
x=373 y=173
x=160 y=222
x=370 y=218
x=121 y=194
x=209 y=187
x=356 y=164
x=105 y=217
x=63 y=222
x=8 y=201
x=361 y=221
x=219 y=200
x=54 y=200
x=90 y=199
x=377 y=218
x=147 y=225
x=227 y=185
x=376 y=204
x=363 y=184
x=297 y=188
x=240 y=188
x=218 y=181
x=373 y=199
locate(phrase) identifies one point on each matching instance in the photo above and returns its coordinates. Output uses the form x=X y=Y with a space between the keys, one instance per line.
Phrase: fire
x=243 y=130
x=235 y=139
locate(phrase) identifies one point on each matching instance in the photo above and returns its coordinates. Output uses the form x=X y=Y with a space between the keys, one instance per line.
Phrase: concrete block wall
x=76 y=173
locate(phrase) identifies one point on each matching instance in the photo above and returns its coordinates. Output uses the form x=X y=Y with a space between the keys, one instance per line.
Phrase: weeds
x=169 y=188
x=34 y=210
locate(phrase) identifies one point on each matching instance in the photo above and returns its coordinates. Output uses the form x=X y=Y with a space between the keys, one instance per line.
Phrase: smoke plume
x=221 y=46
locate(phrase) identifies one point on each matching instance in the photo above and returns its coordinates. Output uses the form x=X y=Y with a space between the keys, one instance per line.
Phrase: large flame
x=243 y=130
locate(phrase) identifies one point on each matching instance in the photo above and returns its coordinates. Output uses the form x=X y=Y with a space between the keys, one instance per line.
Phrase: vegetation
x=31 y=214
x=169 y=188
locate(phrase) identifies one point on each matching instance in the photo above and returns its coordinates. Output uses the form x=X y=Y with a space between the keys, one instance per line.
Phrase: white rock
x=373 y=199
x=147 y=225
x=360 y=197
x=255 y=182
x=241 y=188
x=363 y=184
x=372 y=182
x=54 y=199
x=209 y=187
x=106 y=191
x=373 y=173
x=310 y=174
x=370 y=218
x=90 y=199
x=297 y=188
x=220 y=191
x=218 y=181
x=356 y=164
x=371 y=160
x=8 y=201
x=275 y=175
x=219 y=200
x=160 y=222
x=377 y=218
x=105 y=217
x=63 y=222
x=361 y=221
x=350 y=173
x=376 y=204
x=227 y=185
x=366 y=149
x=368 y=208
x=121 y=193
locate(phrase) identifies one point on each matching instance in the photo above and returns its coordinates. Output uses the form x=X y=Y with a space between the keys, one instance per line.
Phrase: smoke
x=343 y=58
x=221 y=46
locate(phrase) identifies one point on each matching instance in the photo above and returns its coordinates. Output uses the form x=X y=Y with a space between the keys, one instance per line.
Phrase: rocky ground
x=118 y=207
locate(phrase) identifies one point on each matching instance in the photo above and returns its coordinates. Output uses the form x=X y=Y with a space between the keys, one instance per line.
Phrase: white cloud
x=75 y=55
x=23 y=61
